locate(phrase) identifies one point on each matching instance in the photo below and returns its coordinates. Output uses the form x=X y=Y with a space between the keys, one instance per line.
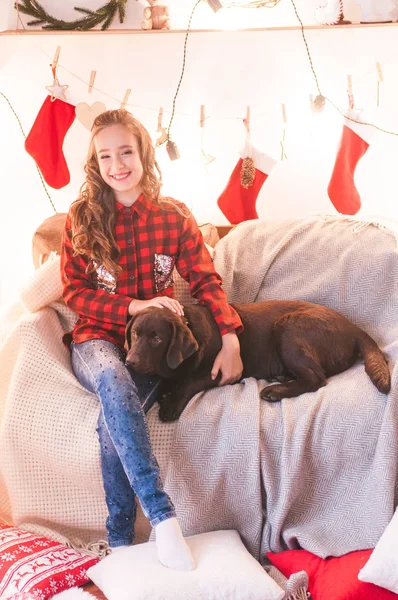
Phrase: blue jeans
x=128 y=464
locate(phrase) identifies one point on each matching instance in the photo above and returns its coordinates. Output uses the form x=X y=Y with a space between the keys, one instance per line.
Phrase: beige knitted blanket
x=318 y=471
x=50 y=477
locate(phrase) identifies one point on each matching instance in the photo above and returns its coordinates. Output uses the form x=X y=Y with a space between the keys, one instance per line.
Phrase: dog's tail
x=375 y=363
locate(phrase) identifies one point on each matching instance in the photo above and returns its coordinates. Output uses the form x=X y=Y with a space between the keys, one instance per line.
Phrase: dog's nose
x=131 y=363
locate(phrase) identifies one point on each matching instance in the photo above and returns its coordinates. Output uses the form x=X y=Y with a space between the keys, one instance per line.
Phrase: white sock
x=173 y=551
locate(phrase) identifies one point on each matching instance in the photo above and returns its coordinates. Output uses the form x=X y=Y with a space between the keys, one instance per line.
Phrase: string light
x=321 y=99
x=319 y=103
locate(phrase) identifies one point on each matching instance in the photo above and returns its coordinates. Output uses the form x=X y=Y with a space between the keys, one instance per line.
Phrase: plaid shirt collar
x=141 y=206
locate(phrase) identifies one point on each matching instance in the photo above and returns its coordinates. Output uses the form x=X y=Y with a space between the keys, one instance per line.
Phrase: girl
x=121 y=242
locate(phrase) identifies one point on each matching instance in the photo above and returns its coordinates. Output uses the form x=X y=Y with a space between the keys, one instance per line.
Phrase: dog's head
x=157 y=341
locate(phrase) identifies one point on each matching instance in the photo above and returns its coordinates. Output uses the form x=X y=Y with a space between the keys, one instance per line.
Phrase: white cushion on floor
x=224 y=571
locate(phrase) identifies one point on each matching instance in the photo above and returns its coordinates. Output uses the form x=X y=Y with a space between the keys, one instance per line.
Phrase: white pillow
x=382 y=566
x=225 y=570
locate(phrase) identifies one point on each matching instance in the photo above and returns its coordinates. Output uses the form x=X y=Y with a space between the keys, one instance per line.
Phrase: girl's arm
x=228 y=360
x=79 y=293
x=195 y=265
x=136 y=306
x=82 y=297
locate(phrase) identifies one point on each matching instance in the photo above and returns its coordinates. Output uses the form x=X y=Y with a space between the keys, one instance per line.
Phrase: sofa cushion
x=224 y=571
x=382 y=566
x=335 y=578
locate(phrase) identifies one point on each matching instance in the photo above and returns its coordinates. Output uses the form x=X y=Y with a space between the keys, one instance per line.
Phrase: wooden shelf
x=192 y=31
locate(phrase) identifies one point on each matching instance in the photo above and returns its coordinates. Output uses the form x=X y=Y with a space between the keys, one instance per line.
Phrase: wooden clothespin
x=351 y=102
x=380 y=79
x=202 y=115
x=379 y=72
x=162 y=130
x=284 y=114
x=160 y=119
x=319 y=103
x=125 y=99
x=54 y=63
x=207 y=158
x=92 y=79
x=246 y=121
x=56 y=89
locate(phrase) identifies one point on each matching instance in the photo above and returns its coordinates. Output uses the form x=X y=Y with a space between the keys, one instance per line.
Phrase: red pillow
x=33 y=564
x=335 y=578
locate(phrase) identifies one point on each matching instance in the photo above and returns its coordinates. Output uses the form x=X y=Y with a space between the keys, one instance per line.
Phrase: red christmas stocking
x=342 y=191
x=238 y=200
x=45 y=140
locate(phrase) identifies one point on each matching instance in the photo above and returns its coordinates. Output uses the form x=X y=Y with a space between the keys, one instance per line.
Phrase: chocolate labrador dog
x=300 y=342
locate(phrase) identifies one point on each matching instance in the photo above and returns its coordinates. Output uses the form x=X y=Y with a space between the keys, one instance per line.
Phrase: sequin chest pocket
x=103 y=280
x=163 y=271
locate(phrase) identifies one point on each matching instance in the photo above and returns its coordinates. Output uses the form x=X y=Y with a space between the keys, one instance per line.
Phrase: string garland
x=102 y=16
x=108 y=12
x=318 y=102
x=321 y=97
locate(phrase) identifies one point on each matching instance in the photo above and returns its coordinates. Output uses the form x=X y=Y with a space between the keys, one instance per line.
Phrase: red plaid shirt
x=152 y=240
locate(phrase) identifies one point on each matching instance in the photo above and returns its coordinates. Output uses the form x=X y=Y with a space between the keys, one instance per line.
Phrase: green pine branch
x=103 y=16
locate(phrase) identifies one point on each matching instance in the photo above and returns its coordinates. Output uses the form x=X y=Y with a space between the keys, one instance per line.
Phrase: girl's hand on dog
x=228 y=360
x=136 y=306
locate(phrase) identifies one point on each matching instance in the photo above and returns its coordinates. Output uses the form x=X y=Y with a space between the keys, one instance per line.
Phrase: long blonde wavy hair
x=93 y=214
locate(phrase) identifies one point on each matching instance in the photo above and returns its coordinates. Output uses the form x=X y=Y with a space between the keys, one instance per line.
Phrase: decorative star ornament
x=57 y=90
x=207 y=158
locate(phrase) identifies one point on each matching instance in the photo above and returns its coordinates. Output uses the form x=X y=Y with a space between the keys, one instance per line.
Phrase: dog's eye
x=156 y=340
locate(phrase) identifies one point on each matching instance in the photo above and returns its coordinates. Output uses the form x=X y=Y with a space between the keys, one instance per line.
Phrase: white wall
x=226 y=71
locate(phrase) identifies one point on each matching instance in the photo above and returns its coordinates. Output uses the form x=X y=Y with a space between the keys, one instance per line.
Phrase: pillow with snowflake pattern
x=37 y=566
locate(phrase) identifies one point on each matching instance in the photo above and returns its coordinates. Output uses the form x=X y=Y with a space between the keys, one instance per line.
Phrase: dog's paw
x=164 y=398
x=272 y=393
x=170 y=408
x=168 y=413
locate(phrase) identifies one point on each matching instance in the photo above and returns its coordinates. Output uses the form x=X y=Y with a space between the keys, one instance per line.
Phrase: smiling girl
x=122 y=240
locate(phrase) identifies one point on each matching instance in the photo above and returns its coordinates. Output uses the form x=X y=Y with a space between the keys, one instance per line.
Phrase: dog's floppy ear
x=127 y=336
x=182 y=345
